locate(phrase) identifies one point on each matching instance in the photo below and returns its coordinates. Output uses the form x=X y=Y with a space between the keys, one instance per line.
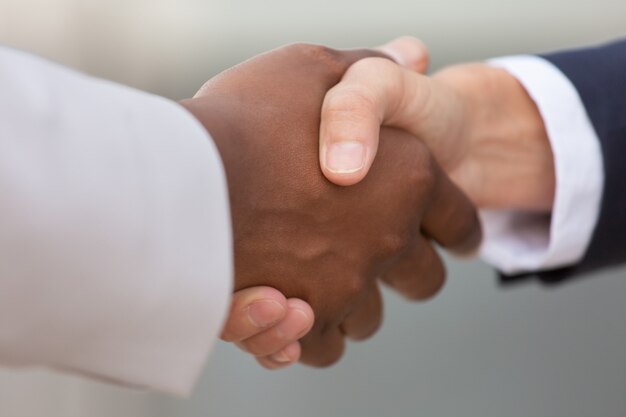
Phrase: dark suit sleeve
x=599 y=75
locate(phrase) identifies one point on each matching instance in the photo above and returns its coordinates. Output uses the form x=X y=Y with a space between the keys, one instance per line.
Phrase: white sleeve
x=517 y=242
x=115 y=242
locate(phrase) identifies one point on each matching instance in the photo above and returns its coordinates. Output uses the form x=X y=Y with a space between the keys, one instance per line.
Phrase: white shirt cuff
x=517 y=242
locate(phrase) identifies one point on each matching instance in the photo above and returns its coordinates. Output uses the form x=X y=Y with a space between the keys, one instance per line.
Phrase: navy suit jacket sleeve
x=599 y=75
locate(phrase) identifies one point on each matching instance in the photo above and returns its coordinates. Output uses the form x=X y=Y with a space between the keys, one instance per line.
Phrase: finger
x=375 y=92
x=252 y=311
x=450 y=218
x=322 y=348
x=282 y=359
x=366 y=318
x=409 y=52
x=349 y=57
x=354 y=109
x=406 y=51
x=419 y=273
x=296 y=324
x=372 y=92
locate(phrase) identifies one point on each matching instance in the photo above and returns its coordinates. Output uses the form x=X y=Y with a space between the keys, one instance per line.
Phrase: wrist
x=506 y=139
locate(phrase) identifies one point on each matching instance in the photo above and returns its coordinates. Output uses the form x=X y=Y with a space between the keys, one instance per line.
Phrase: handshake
x=345 y=169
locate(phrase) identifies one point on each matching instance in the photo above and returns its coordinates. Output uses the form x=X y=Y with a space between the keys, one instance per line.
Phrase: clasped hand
x=323 y=246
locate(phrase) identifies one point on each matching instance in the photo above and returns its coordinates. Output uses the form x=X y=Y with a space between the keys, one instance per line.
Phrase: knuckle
x=349 y=99
x=424 y=177
x=354 y=286
x=314 y=49
x=373 y=66
x=331 y=58
x=393 y=243
x=376 y=74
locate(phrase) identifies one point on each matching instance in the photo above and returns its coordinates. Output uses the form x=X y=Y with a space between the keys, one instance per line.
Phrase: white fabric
x=115 y=246
x=520 y=242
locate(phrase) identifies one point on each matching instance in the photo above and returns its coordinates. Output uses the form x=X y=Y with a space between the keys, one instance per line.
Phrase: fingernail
x=264 y=313
x=280 y=357
x=345 y=157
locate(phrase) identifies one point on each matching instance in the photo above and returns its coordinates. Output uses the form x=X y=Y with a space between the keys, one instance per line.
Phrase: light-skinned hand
x=477 y=120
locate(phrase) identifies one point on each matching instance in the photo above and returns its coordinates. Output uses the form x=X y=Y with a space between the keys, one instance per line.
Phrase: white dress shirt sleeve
x=517 y=242
x=115 y=244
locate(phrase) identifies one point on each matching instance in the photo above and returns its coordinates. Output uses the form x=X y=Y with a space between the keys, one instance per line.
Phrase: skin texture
x=478 y=121
x=259 y=319
x=263 y=320
x=310 y=239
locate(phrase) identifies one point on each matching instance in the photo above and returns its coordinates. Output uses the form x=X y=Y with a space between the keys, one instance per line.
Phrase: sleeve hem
x=121 y=198
x=517 y=242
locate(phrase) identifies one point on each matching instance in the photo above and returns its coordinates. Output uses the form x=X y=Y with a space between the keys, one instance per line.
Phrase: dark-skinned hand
x=298 y=233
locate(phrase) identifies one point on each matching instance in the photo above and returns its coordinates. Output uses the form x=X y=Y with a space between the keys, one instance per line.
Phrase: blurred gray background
x=477 y=350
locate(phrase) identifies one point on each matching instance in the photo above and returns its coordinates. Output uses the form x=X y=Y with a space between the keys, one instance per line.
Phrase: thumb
x=373 y=91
